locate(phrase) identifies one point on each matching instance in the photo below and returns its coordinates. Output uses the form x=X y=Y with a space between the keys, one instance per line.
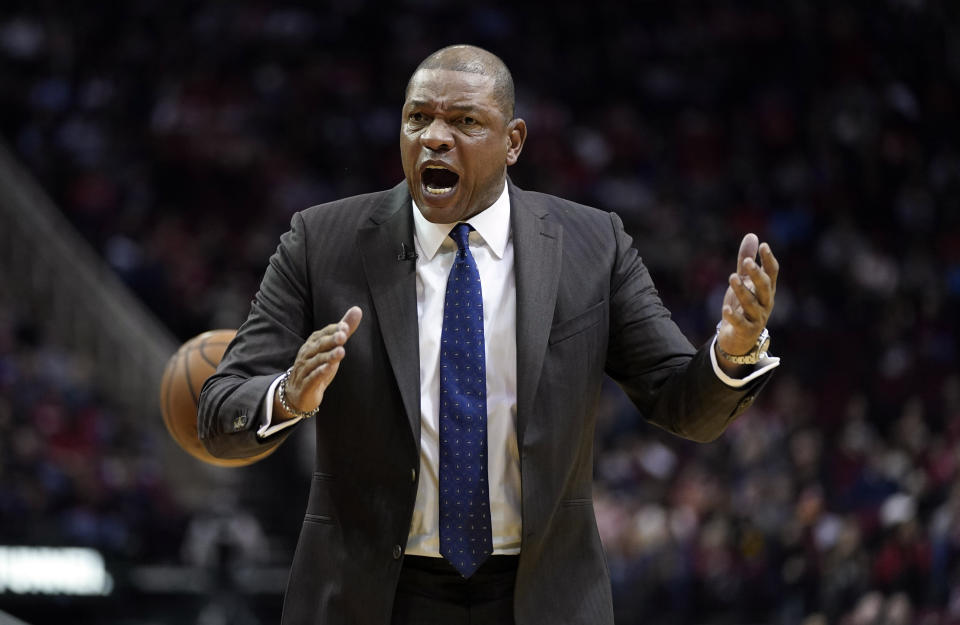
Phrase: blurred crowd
x=179 y=138
x=74 y=471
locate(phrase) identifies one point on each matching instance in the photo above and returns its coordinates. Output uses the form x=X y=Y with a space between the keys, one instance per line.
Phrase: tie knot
x=460 y=235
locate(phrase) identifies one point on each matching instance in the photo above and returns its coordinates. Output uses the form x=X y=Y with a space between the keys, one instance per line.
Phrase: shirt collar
x=492 y=224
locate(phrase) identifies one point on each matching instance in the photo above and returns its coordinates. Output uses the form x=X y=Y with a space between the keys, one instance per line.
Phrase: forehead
x=443 y=87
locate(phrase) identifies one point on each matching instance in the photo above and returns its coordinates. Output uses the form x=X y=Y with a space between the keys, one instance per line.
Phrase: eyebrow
x=453 y=107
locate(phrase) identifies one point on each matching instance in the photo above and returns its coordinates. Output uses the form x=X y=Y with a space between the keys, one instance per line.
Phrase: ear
x=516 y=135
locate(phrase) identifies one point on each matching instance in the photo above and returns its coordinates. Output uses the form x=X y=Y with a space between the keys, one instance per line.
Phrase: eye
x=468 y=121
x=416 y=118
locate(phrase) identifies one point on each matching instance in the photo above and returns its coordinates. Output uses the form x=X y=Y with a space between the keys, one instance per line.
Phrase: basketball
x=185 y=373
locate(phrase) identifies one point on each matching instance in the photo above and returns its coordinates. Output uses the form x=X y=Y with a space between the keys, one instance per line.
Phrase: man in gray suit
x=455 y=424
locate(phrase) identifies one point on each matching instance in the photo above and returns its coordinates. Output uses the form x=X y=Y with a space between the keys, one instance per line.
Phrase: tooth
x=436 y=191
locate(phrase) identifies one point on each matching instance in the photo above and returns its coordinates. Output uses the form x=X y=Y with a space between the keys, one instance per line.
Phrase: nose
x=437 y=136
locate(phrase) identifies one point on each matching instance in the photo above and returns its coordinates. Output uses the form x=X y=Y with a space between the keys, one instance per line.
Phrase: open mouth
x=439 y=180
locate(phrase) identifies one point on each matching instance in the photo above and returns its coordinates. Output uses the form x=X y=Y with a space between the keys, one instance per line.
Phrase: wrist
x=755 y=353
x=280 y=413
x=287 y=409
x=732 y=369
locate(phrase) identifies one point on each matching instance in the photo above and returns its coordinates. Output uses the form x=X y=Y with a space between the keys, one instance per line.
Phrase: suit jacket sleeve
x=672 y=384
x=231 y=406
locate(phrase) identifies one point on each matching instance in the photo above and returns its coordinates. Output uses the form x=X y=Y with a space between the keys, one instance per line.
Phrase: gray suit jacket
x=585 y=306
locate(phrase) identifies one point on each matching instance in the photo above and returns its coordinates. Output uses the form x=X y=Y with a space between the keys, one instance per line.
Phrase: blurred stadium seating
x=178 y=138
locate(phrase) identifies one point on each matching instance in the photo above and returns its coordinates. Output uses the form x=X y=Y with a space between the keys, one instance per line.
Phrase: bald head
x=474 y=60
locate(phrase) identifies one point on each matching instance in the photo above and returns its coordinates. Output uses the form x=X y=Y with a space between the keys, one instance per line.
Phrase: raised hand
x=316 y=365
x=748 y=301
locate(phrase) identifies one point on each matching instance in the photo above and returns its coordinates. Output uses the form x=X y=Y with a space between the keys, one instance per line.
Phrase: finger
x=748 y=248
x=350 y=321
x=320 y=378
x=736 y=321
x=313 y=371
x=311 y=377
x=322 y=341
x=752 y=310
x=771 y=266
x=318 y=360
x=760 y=281
x=329 y=347
x=333 y=334
x=319 y=335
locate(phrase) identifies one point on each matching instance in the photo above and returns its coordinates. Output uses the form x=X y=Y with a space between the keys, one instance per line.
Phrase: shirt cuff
x=764 y=365
x=269 y=430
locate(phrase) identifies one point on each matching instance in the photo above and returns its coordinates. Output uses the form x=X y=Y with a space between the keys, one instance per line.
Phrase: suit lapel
x=537 y=245
x=392 y=285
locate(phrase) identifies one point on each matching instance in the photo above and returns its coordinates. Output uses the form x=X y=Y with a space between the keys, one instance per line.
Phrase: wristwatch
x=754 y=355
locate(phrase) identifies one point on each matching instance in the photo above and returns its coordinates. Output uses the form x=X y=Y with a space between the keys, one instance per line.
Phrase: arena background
x=159 y=149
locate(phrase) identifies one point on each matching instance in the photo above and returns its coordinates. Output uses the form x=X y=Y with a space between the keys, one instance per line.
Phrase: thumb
x=351 y=319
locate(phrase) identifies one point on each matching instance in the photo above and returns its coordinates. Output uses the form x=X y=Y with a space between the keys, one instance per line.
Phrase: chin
x=443 y=209
x=437 y=215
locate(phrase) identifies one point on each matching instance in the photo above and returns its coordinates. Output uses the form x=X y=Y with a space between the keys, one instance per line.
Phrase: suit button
x=397 y=552
x=239 y=422
x=413 y=475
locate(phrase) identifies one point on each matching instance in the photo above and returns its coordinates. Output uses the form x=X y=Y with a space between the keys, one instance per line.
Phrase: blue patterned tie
x=465 y=536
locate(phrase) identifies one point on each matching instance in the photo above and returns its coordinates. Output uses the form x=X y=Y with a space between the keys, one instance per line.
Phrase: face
x=456 y=144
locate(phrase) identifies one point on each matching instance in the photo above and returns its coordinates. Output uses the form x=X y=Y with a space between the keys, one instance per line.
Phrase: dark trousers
x=431 y=592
